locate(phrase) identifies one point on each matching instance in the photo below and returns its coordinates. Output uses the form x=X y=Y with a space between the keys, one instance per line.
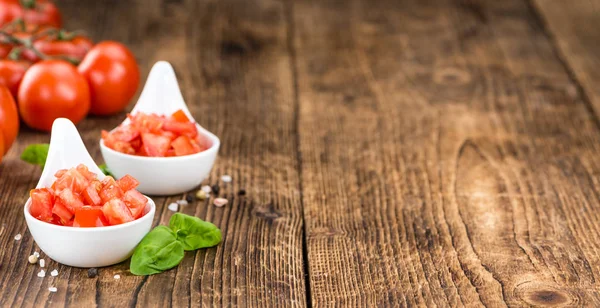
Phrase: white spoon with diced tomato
x=76 y=214
x=160 y=143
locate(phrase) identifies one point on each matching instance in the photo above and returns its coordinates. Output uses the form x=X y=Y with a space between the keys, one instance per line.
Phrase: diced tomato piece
x=183 y=146
x=155 y=145
x=141 y=152
x=41 y=204
x=146 y=123
x=89 y=216
x=168 y=134
x=116 y=212
x=70 y=200
x=125 y=133
x=136 y=143
x=71 y=179
x=180 y=116
x=136 y=202
x=90 y=194
x=181 y=128
x=60 y=173
x=127 y=183
x=83 y=170
x=170 y=153
x=68 y=223
x=110 y=189
x=62 y=212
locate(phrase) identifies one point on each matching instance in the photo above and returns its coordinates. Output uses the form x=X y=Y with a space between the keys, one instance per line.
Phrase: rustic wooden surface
x=395 y=153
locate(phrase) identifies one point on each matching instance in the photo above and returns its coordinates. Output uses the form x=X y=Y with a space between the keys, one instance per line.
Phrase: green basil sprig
x=36 y=154
x=163 y=248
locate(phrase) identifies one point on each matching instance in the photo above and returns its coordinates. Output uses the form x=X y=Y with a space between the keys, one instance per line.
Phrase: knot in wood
x=451 y=76
x=539 y=294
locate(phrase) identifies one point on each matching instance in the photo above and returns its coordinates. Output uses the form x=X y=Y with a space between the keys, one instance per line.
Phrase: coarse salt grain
x=117 y=276
x=54 y=273
x=42 y=274
x=219 y=202
x=201 y=194
x=226 y=178
x=52 y=289
x=18 y=237
x=182 y=202
x=206 y=189
x=36 y=254
x=173 y=207
x=42 y=263
x=32 y=259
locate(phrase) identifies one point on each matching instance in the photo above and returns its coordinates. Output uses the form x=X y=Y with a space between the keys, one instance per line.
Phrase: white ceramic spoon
x=163 y=175
x=82 y=247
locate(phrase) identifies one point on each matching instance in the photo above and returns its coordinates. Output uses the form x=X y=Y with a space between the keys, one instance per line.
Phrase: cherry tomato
x=75 y=48
x=52 y=89
x=9 y=119
x=21 y=32
x=11 y=73
x=113 y=75
x=35 y=12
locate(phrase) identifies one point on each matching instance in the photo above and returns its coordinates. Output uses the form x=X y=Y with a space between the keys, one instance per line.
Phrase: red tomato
x=11 y=73
x=42 y=201
x=62 y=212
x=9 y=119
x=155 y=145
x=90 y=194
x=87 y=174
x=181 y=128
x=89 y=216
x=127 y=183
x=75 y=48
x=116 y=212
x=113 y=75
x=180 y=116
x=183 y=146
x=110 y=190
x=71 y=179
x=35 y=12
x=70 y=199
x=136 y=202
x=53 y=89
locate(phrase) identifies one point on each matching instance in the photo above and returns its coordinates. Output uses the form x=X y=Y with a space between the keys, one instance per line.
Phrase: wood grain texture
x=447 y=157
x=573 y=25
x=232 y=61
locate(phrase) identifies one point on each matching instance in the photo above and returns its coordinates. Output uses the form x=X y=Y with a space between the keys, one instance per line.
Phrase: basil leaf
x=158 y=251
x=105 y=170
x=36 y=154
x=193 y=232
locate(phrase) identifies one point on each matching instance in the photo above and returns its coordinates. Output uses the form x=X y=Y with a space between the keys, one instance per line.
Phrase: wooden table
x=395 y=153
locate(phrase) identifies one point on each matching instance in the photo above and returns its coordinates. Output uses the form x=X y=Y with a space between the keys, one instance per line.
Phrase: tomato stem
x=28 y=4
x=28 y=44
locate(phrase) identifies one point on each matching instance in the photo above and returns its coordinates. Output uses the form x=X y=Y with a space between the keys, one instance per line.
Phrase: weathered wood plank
x=232 y=61
x=447 y=157
x=575 y=27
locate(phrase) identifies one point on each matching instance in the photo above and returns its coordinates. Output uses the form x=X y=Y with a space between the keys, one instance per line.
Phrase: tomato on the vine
x=35 y=12
x=9 y=120
x=53 y=89
x=113 y=76
x=11 y=73
x=74 y=48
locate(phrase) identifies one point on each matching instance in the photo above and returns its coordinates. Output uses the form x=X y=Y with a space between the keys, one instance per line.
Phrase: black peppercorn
x=189 y=198
x=241 y=192
x=215 y=189
x=92 y=272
